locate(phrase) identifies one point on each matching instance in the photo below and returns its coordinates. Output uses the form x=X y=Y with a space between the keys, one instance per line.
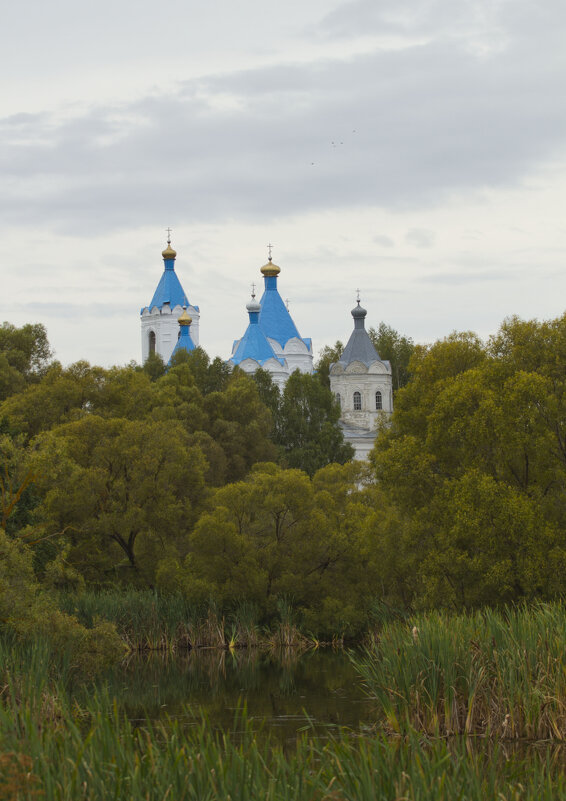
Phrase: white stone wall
x=362 y=445
x=295 y=353
x=278 y=372
x=163 y=322
x=358 y=378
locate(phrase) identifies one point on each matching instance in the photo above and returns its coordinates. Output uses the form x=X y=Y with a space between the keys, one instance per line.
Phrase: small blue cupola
x=185 y=341
x=169 y=289
x=254 y=345
x=274 y=319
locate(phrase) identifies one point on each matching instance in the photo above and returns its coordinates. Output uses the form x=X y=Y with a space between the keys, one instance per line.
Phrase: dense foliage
x=475 y=464
x=211 y=486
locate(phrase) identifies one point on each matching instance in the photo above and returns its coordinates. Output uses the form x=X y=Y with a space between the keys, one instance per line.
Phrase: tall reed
x=490 y=673
x=147 y=620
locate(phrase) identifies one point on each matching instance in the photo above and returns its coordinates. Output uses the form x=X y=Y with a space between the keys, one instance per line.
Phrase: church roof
x=274 y=319
x=359 y=347
x=254 y=344
x=169 y=289
x=185 y=342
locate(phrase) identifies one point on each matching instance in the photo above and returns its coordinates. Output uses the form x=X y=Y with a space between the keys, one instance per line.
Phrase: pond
x=284 y=691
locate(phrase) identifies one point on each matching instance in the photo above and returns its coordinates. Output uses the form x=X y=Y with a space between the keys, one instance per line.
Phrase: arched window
x=339 y=399
x=357 y=402
x=378 y=400
x=151 y=342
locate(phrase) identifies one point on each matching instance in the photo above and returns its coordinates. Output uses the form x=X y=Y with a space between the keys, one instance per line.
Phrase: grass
x=61 y=746
x=498 y=674
x=60 y=741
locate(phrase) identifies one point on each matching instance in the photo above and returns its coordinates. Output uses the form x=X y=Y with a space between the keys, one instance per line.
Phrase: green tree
x=396 y=349
x=240 y=423
x=210 y=376
x=154 y=366
x=28 y=610
x=474 y=462
x=16 y=484
x=306 y=427
x=328 y=355
x=125 y=493
x=24 y=356
x=268 y=391
x=280 y=535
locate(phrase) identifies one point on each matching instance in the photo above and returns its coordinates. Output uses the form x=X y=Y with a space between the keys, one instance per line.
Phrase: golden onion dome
x=169 y=253
x=270 y=269
x=184 y=319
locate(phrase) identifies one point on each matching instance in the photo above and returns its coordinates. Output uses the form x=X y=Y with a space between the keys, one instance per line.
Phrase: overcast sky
x=413 y=149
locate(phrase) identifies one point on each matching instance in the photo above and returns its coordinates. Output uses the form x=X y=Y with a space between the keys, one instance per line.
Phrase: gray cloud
x=397 y=128
x=467 y=277
x=384 y=241
x=420 y=237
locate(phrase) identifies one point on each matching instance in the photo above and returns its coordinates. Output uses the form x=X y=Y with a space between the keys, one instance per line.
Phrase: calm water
x=284 y=692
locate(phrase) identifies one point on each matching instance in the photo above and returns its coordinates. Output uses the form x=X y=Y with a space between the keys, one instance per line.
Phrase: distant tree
x=328 y=355
x=154 y=366
x=209 y=376
x=241 y=424
x=24 y=356
x=268 y=390
x=65 y=394
x=396 y=349
x=306 y=427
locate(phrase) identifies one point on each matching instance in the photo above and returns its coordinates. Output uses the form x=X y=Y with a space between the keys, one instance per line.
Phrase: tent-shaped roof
x=169 y=289
x=254 y=344
x=274 y=319
x=185 y=341
x=359 y=347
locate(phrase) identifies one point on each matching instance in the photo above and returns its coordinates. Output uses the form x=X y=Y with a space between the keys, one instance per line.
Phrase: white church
x=360 y=380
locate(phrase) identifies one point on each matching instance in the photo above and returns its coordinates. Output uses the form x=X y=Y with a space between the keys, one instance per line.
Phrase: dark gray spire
x=360 y=348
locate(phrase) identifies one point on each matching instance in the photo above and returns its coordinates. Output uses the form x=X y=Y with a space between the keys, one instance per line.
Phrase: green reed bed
x=148 y=620
x=61 y=746
x=143 y=619
x=490 y=673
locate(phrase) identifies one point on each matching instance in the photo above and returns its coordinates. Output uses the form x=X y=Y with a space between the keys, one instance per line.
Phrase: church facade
x=362 y=384
x=360 y=380
x=160 y=319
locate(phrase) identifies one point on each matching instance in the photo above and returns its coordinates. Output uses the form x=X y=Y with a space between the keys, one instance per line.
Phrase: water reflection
x=284 y=691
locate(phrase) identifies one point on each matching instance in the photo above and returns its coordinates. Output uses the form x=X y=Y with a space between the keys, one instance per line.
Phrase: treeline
x=211 y=485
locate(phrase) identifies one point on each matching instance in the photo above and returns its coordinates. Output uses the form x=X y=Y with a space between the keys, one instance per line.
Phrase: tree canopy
x=208 y=482
x=474 y=461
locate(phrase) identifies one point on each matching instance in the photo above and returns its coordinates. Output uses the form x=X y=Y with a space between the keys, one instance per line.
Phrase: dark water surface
x=284 y=691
